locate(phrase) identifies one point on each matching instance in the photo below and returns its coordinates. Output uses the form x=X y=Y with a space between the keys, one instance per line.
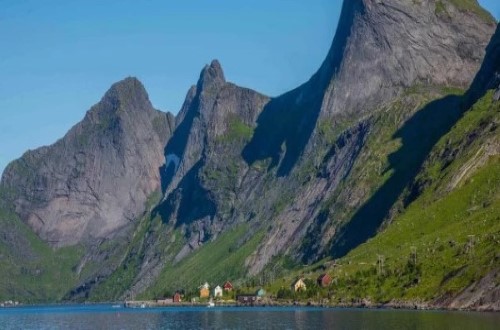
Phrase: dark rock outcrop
x=488 y=76
x=94 y=181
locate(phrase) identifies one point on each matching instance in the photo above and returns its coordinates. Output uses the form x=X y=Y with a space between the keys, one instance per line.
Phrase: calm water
x=106 y=317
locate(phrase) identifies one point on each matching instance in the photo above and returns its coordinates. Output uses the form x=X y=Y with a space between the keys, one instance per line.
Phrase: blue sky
x=58 y=57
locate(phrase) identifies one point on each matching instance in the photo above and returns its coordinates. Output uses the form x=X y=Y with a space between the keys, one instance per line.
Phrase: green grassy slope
x=215 y=262
x=448 y=237
x=30 y=270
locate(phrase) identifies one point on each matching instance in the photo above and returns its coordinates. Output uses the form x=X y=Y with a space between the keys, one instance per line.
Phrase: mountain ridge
x=109 y=129
x=262 y=182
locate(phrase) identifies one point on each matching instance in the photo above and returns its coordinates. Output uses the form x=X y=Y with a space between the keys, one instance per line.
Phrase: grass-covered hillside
x=447 y=238
x=30 y=270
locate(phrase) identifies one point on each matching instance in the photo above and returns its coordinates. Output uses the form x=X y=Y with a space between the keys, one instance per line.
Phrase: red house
x=324 y=280
x=227 y=286
x=177 y=297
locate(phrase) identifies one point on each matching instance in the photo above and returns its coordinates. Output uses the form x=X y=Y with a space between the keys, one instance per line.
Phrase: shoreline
x=148 y=304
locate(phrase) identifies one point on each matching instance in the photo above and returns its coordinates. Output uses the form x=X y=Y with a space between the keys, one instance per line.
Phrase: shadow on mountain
x=287 y=122
x=418 y=136
x=487 y=77
x=190 y=199
x=283 y=127
x=177 y=144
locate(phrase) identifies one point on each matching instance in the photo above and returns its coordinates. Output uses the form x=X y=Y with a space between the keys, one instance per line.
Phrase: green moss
x=237 y=130
x=474 y=7
x=440 y=9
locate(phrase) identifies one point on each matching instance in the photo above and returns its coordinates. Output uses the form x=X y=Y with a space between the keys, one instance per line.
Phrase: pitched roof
x=322 y=276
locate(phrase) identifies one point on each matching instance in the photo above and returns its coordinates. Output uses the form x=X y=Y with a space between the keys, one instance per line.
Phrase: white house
x=217 y=291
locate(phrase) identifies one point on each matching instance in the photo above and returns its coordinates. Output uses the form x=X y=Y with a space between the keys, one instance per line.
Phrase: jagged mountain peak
x=128 y=94
x=384 y=46
x=76 y=200
x=211 y=75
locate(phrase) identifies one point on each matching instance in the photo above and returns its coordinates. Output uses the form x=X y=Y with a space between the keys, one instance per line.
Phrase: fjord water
x=108 y=317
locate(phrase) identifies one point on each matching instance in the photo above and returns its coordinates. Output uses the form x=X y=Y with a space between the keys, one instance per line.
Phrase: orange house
x=205 y=290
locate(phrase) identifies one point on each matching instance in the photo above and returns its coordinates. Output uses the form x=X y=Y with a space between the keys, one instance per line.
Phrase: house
x=299 y=285
x=177 y=298
x=324 y=280
x=246 y=299
x=205 y=290
x=228 y=286
x=261 y=293
x=218 y=292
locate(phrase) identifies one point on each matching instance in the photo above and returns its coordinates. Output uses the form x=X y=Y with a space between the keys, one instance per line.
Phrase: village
x=301 y=291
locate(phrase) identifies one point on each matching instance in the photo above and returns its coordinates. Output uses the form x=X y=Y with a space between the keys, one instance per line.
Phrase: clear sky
x=58 y=57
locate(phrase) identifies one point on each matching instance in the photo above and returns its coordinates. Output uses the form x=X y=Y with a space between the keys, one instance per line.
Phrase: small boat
x=210 y=304
x=143 y=305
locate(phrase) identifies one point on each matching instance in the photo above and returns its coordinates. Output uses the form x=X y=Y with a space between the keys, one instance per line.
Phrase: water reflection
x=104 y=317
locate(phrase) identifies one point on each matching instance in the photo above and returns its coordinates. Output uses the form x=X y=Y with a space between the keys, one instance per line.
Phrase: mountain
x=67 y=192
x=88 y=188
x=381 y=51
x=251 y=187
x=302 y=186
x=441 y=250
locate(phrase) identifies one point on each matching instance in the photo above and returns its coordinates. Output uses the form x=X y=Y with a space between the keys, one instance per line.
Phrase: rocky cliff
x=253 y=186
x=383 y=52
x=296 y=170
x=95 y=181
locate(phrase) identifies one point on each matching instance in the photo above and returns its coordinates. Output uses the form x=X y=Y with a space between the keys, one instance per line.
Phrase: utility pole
x=380 y=262
x=414 y=255
x=470 y=244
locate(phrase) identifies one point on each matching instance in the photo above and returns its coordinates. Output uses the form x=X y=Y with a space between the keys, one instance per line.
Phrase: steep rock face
x=285 y=165
x=214 y=123
x=96 y=180
x=382 y=49
x=488 y=76
x=396 y=44
x=201 y=173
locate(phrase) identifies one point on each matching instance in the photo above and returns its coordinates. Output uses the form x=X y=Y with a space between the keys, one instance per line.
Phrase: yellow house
x=205 y=290
x=299 y=285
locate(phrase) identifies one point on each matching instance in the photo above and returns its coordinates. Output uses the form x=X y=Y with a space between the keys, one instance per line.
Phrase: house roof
x=298 y=280
x=261 y=291
x=322 y=276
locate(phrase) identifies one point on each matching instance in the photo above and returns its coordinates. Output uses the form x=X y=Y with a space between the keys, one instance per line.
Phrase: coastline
x=270 y=303
x=393 y=305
